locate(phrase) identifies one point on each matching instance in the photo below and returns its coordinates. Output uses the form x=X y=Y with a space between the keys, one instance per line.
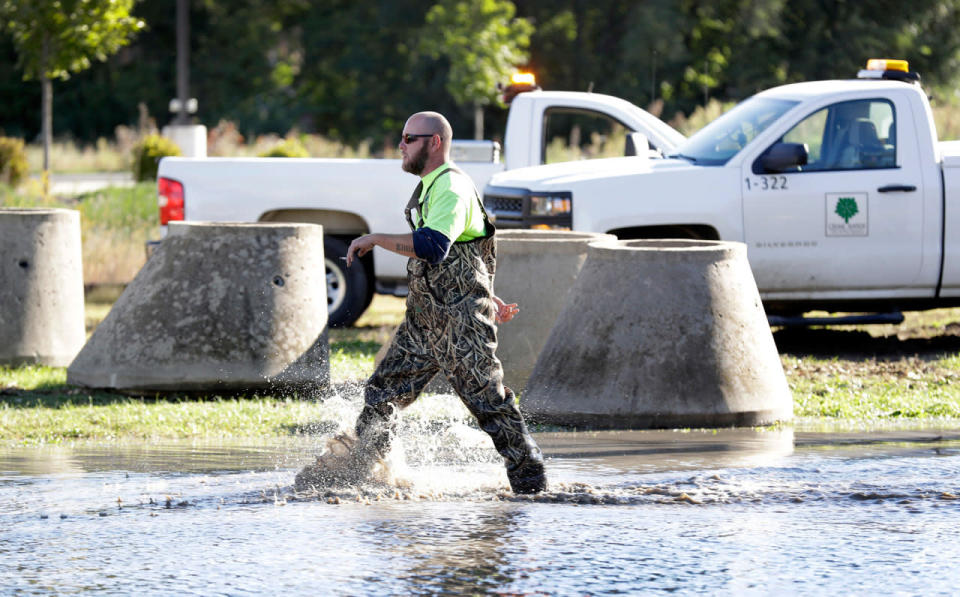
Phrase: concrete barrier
x=535 y=269
x=661 y=333
x=232 y=307
x=41 y=286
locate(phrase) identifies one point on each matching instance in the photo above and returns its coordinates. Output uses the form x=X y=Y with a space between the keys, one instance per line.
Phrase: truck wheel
x=347 y=287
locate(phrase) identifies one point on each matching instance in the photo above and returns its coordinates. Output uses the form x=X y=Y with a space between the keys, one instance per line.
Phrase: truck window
x=716 y=143
x=810 y=132
x=854 y=135
x=581 y=135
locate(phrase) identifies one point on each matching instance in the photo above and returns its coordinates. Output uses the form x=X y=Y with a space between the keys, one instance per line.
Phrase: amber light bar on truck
x=519 y=83
x=889 y=68
x=169 y=200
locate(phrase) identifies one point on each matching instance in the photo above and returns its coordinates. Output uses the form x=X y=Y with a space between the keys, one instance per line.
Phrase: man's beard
x=417 y=162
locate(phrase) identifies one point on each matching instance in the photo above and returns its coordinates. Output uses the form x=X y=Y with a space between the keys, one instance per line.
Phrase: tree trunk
x=478 y=121
x=46 y=124
x=46 y=108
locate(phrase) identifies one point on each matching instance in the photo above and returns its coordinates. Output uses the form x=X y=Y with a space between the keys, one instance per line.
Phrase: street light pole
x=183 y=60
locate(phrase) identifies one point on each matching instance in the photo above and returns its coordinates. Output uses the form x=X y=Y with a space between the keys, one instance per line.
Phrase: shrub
x=13 y=161
x=147 y=154
x=289 y=148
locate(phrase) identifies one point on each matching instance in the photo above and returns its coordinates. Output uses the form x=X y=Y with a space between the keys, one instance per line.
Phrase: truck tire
x=348 y=288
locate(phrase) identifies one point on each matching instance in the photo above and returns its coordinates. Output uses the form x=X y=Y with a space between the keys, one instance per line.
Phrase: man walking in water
x=451 y=315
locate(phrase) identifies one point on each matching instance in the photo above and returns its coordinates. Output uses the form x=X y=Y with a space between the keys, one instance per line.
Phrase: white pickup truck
x=354 y=197
x=840 y=189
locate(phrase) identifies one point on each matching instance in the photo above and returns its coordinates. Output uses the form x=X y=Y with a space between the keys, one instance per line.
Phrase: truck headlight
x=550 y=205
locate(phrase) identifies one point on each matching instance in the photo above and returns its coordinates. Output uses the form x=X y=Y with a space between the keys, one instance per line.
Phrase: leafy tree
x=683 y=51
x=57 y=38
x=484 y=44
x=361 y=75
x=577 y=45
x=826 y=39
x=246 y=56
x=355 y=69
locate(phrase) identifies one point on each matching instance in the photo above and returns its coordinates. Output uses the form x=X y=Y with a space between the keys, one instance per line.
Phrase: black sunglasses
x=410 y=138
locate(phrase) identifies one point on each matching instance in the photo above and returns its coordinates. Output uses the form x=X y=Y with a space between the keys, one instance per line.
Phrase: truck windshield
x=716 y=143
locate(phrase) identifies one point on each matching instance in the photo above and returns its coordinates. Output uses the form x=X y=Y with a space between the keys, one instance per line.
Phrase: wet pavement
x=792 y=510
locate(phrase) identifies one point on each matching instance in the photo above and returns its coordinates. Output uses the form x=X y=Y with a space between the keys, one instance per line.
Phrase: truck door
x=849 y=219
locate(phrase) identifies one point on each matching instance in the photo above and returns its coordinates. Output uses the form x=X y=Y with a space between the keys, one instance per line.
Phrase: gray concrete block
x=234 y=307
x=661 y=333
x=41 y=286
x=535 y=269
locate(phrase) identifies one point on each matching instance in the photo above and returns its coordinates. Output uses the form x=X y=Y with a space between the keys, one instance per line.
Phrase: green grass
x=38 y=419
x=38 y=406
x=913 y=389
x=32 y=377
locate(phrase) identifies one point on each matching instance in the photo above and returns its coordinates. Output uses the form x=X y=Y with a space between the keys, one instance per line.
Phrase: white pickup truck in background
x=354 y=197
x=840 y=189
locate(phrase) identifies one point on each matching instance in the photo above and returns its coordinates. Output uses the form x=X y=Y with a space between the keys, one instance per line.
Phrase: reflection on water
x=718 y=512
x=182 y=457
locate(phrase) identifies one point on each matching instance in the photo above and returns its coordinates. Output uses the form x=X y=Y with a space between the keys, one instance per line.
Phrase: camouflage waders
x=450 y=328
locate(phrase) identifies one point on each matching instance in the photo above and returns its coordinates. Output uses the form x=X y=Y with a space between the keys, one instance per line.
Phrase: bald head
x=422 y=154
x=435 y=123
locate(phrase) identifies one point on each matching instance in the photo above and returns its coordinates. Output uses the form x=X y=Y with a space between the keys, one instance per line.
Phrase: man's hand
x=360 y=247
x=401 y=244
x=505 y=312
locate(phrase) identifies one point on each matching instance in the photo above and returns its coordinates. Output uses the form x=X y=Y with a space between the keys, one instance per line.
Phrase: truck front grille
x=511 y=208
x=503 y=206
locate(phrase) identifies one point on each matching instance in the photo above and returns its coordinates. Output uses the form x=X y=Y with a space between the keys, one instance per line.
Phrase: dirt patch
x=912 y=350
x=861 y=345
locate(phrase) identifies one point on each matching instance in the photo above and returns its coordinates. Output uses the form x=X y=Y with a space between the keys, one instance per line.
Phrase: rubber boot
x=375 y=429
x=340 y=464
x=529 y=477
x=513 y=441
x=349 y=459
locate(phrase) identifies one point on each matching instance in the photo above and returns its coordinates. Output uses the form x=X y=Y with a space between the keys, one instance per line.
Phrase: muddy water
x=729 y=512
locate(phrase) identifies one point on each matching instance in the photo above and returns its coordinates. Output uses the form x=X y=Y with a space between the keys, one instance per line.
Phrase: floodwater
x=728 y=512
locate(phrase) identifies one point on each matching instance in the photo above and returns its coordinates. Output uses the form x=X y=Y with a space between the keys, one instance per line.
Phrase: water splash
x=436 y=450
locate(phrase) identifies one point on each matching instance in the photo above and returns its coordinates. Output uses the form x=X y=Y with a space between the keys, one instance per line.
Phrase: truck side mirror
x=637 y=144
x=781 y=157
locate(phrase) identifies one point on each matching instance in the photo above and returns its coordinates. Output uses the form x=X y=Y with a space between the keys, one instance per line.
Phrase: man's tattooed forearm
x=404 y=247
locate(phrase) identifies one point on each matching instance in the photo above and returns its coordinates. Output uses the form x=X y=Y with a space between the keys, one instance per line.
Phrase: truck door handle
x=895 y=188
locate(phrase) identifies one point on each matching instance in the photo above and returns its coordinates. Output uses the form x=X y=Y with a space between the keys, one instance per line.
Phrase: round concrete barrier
x=535 y=269
x=217 y=307
x=41 y=286
x=661 y=333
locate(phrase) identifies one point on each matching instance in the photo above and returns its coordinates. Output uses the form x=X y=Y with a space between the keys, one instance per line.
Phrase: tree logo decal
x=847 y=208
x=847 y=214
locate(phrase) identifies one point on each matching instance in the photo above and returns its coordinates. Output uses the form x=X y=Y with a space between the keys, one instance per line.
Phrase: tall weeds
x=225 y=140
